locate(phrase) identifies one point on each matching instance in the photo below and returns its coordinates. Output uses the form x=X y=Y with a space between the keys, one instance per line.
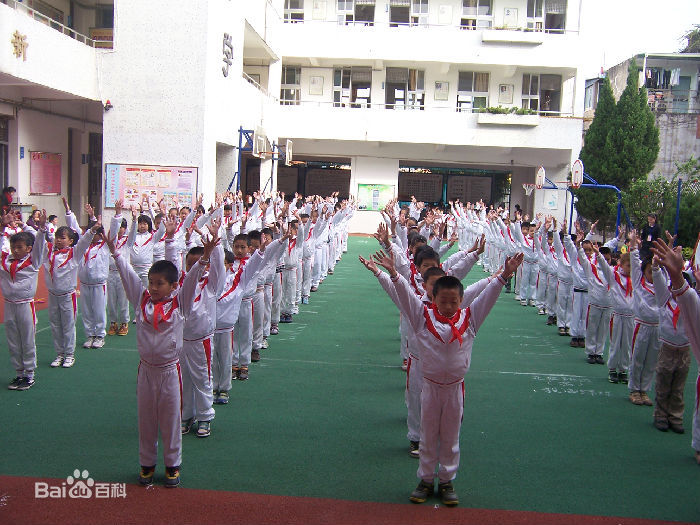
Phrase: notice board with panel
x=426 y=187
x=323 y=182
x=468 y=189
x=133 y=182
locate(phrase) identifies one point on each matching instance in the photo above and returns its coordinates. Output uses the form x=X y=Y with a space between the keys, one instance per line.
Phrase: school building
x=440 y=99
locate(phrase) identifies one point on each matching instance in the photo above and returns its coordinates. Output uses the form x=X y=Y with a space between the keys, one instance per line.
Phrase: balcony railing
x=101 y=42
x=364 y=24
x=673 y=101
x=340 y=106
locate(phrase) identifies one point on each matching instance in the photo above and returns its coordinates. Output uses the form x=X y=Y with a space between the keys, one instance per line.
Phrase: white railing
x=36 y=15
x=413 y=25
x=257 y=86
x=402 y=107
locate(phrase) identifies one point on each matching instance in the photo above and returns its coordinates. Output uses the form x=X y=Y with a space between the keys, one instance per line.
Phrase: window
x=364 y=12
x=476 y=14
x=542 y=93
x=346 y=11
x=290 y=91
x=400 y=13
x=419 y=12
x=293 y=11
x=472 y=91
x=352 y=87
x=555 y=16
x=535 y=16
x=404 y=88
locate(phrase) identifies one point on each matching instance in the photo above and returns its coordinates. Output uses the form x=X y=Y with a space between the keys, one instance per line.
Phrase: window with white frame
x=554 y=16
x=345 y=11
x=290 y=90
x=399 y=12
x=476 y=14
x=404 y=88
x=541 y=93
x=352 y=87
x=419 y=12
x=472 y=90
x=535 y=15
x=293 y=11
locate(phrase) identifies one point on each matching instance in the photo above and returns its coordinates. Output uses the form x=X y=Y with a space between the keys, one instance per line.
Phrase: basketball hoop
x=540 y=178
x=529 y=188
x=577 y=174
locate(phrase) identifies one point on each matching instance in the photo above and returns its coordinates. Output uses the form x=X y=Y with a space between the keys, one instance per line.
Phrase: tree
x=620 y=148
x=596 y=204
x=693 y=40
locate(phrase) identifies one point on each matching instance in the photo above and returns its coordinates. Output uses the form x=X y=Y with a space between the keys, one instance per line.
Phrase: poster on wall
x=132 y=183
x=44 y=173
x=374 y=197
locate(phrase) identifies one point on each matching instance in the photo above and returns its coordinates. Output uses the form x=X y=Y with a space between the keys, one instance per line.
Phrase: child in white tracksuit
x=673 y=363
x=598 y=311
x=141 y=242
x=645 y=338
x=622 y=320
x=61 y=274
x=197 y=342
x=565 y=282
x=19 y=269
x=117 y=303
x=529 y=269
x=93 y=273
x=160 y=313
x=289 y=275
x=445 y=343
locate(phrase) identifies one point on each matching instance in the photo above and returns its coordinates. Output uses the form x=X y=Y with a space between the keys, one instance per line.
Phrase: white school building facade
x=441 y=99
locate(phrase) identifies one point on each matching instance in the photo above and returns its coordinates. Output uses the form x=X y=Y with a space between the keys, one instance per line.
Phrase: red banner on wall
x=44 y=173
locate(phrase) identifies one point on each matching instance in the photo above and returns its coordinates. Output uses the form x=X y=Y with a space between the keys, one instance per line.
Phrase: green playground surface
x=323 y=416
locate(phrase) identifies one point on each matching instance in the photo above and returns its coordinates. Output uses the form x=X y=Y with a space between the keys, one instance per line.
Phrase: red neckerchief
x=646 y=287
x=159 y=313
x=594 y=269
x=510 y=234
x=529 y=244
x=292 y=244
x=566 y=256
x=628 y=286
x=52 y=257
x=311 y=229
x=87 y=253
x=237 y=278
x=676 y=312
x=414 y=272
x=203 y=284
x=457 y=333
x=121 y=241
x=16 y=265
x=553 y=252
x=147 y=240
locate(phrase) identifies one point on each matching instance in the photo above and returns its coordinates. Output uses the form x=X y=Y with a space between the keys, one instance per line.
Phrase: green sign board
x=374 y=196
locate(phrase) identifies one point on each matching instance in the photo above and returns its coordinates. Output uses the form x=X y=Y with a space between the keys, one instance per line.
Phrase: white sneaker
x=98 y=342
x=89 y=342
x=295 y=310
x=265 y=343
x=69 y=361
x=57 y=362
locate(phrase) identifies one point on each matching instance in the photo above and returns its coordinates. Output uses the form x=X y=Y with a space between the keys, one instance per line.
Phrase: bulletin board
x=374 y=197
x=44 y=173
x=425 y=187
x=323 y=182
x=131 y=182
x=468 y=188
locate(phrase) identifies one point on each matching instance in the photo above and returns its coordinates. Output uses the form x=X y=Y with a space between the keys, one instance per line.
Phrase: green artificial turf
x=323 y=415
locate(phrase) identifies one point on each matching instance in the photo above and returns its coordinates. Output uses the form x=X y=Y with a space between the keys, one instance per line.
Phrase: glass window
x=472 y=90
x=476 y=14
x=293 y=11
x=290 y=90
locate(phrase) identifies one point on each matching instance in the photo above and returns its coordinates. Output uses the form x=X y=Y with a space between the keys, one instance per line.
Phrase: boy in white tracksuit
x=673 y=363
x=622 y=320
x=289 y=275
x=528 y=270
x=61 y=274
x=445 y=334
x=160 y=310
x=565 y=282
x=19 y=269
x=198 y=336
x=141 y=241
x=645 y=339
x=598 y=311
x=93 y=273
x=579 y=304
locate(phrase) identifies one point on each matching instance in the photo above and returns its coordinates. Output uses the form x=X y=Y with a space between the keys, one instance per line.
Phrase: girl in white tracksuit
x=622 y=320
x=117 y=303
x=93 y=273
x=645 y=338
x=61 y=274
x=565 y=283
x=141 y=242
x=599 y=306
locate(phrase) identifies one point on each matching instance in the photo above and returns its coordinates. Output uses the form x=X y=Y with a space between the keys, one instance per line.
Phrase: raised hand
x=89 y=210
x=41 y=221
x=209 y=244
x=482 y=245
x=65 y=204
x=593 y=225
x=134 y=212
x=369 y=264
x=386 y=261
x=633 y=239
x=670 y=258
x=118 y=207
x=511 y=265
x=97 y=225
x=170 y=227
x=213 y=226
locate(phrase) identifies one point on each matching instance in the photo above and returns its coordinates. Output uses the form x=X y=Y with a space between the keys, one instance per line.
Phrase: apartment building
x=440 y=99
